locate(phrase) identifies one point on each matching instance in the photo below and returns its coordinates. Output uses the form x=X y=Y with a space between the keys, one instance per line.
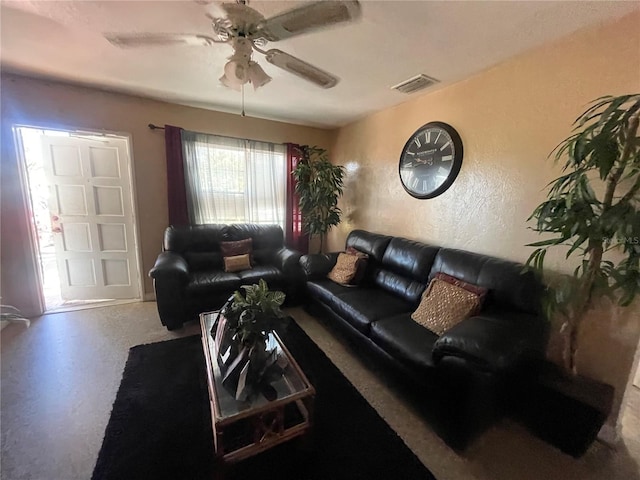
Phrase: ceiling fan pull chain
x=242 y=90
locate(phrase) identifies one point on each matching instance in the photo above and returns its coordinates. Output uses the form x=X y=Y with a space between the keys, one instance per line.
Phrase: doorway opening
x=80 y=192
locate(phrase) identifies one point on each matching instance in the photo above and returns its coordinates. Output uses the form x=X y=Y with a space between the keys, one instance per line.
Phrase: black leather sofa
x=462 y=381
x=189 y=276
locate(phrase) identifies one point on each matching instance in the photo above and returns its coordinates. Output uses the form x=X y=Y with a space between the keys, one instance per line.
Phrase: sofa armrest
x=501 y=341
x=170 y=265
x=288 y=261
x=318 y=265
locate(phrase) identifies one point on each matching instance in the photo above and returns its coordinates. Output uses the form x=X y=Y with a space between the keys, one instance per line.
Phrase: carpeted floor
x=60 y=377
x=160 y=426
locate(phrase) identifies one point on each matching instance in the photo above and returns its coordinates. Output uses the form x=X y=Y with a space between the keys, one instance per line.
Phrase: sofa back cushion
x=508 y=287
x=373 y=244
x=267 y=239
x=405 y=267
x=200 y=244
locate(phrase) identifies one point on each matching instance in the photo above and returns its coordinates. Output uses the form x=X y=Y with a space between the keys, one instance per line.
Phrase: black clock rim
x=457 y=160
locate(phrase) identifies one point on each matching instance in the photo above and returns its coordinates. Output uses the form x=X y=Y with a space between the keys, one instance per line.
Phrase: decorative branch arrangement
x=604 y=150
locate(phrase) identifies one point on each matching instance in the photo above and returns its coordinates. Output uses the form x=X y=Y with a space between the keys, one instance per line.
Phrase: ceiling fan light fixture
x=245 y=29
x=257 y=76
x=236 y=74
x=225 y=81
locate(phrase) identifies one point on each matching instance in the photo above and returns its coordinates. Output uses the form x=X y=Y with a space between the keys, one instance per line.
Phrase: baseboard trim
x=609 y=434
x=149 y=297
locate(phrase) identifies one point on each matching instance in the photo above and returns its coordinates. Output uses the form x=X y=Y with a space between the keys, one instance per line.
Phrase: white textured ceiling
x=394 y=40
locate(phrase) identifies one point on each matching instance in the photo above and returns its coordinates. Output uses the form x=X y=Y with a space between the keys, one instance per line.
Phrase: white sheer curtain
x=233 y=180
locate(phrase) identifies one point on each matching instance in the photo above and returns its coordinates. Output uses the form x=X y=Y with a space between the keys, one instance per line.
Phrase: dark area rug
x=160 y=426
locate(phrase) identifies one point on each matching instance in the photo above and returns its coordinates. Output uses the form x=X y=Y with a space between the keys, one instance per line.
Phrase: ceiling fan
x=246 y=30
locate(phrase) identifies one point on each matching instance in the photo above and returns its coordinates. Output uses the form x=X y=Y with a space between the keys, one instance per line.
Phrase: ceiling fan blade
x=308 y=18
x=130 y=40
x=213 y=9
x=300 y=68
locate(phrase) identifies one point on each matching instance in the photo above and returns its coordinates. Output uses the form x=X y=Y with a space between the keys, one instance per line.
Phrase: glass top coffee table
x=244 y=428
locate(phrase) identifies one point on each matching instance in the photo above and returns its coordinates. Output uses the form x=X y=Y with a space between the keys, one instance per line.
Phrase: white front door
x=92 y=216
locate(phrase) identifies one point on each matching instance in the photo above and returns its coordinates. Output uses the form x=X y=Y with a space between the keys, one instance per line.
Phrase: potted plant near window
x=593 y=212
x=319 y=185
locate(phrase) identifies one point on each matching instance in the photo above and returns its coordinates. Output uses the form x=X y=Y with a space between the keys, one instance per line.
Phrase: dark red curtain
x=294 y=236
x=176 y=190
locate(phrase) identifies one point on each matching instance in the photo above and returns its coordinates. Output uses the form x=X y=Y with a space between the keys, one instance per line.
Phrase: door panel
x=92 y=215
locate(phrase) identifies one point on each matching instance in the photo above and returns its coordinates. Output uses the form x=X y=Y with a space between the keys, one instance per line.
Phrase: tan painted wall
x=39 y=103
x=509 y=117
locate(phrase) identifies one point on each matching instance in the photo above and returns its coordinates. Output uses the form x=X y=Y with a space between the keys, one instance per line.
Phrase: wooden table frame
x=268 y=422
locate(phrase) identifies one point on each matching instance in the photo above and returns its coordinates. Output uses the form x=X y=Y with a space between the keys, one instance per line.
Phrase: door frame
x=24 y=180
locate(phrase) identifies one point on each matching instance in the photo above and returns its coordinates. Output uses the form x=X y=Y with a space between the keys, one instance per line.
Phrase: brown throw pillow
x=240 y=247
x=480 y=291
x=345 y=269
x=444 y=305
x=236 y=263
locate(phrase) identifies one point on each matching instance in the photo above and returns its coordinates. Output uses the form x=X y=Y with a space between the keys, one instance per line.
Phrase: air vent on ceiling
x=414 y=84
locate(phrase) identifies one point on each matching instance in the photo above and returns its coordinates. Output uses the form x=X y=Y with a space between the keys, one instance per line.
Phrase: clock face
x=430 y=160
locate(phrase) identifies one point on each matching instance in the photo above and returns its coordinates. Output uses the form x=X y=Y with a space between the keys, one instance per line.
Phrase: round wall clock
x=430 y=160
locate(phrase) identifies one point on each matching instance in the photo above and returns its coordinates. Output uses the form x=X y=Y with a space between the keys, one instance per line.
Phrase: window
x=232 y=180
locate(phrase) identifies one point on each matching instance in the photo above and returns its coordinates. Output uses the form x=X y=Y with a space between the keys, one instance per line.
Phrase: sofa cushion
x=195 y=238
x=409 y=258
x=363 y=261
x=360 y=306
x=203 y=261
x=508 y=286
x=373 y=244
x=271 y=275
x=404 y=340
x=399 y=285
x=265 y=237
x=499 y=341
x=444 y=305
x=405 y=268
x=325 y=290
x=202 y=283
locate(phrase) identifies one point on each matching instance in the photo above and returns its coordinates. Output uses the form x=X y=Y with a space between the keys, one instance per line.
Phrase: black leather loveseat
x=462 y=378
x=189 y=275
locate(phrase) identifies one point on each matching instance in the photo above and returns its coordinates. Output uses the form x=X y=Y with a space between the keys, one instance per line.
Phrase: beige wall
x=39 y=103
x=509 y=117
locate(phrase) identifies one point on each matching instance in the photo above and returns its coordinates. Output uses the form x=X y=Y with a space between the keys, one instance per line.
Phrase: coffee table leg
x=219 y=469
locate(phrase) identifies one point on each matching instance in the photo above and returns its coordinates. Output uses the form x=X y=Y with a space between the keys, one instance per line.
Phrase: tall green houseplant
x=319 y=185
x=593 y=211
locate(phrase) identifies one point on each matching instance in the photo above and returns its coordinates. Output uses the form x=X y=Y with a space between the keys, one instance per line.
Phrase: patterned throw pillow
x=345 y=269
x=240 y=247
x=480 y=291
x=237 y=263
x=444 y=305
